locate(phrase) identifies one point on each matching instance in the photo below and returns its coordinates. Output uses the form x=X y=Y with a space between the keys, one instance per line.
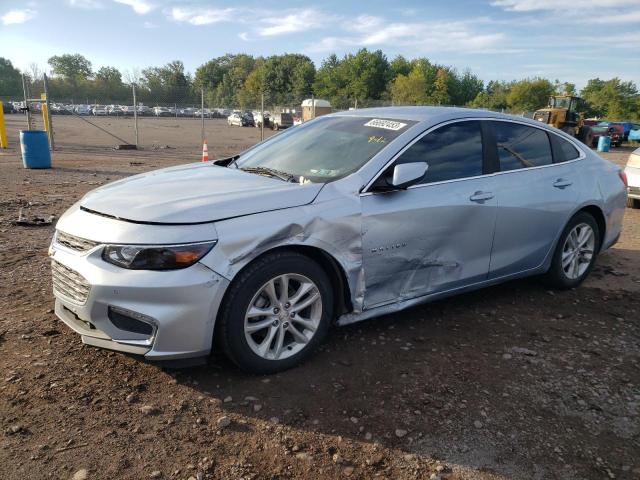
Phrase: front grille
x=74 y=243
x=634 y=190
x=69 y=283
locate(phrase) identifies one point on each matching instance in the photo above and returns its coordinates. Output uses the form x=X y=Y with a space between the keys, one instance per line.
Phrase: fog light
x=130 y=321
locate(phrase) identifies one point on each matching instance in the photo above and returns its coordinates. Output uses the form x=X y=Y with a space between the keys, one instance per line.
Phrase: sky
x=497 y=39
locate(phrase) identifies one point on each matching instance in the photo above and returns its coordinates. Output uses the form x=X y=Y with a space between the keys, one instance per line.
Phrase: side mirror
x=405 y=174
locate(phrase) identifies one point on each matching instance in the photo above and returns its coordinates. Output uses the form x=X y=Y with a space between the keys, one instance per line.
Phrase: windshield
x=560 y=102
x=326 y=149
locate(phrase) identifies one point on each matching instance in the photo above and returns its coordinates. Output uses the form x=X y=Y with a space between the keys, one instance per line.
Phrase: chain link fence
x=139 y=120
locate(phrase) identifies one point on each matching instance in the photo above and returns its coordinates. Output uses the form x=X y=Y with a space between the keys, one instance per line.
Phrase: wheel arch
x=597 y=213
x=333 y=268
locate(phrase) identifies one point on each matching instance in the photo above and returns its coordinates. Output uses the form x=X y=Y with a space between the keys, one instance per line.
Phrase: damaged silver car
x=346 y=217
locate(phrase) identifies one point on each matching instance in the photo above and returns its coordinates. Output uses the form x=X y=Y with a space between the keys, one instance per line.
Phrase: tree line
x=365 y=78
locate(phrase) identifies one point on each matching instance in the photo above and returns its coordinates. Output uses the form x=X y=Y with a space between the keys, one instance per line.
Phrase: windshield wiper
x=272 y=172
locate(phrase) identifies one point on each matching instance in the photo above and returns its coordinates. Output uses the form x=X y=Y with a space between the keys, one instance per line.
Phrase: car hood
x=195 y=193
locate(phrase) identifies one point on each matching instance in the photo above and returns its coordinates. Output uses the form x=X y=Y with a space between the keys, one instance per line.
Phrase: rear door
x=535 y=195
x=435 y=235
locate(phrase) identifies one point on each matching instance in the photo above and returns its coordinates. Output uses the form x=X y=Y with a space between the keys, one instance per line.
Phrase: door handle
x=562 y=183
x=480 y=197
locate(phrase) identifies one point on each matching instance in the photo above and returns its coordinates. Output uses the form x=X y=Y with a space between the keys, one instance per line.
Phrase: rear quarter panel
x=603 y=187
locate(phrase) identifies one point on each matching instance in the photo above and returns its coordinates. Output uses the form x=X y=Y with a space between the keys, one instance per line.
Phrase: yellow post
x=3 y=129
x=45 y=114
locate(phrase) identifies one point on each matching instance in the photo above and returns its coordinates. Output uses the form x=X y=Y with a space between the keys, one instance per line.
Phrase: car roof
x=433 y=115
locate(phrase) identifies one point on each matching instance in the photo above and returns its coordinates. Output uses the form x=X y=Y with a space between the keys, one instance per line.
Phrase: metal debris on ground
x=34 y=221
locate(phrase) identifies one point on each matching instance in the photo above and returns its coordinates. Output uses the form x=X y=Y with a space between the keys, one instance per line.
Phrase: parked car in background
x=632 y=170
x=115 y=110
x=144 y=110
x=626 y=128
x=247 y=119
x=281 y=120
x=99 y=110
x=257 y=119
x=82 y=110
x=349 y=216
x=128 y=110
x=163 y=112
x=236 y=118
x=609 y=129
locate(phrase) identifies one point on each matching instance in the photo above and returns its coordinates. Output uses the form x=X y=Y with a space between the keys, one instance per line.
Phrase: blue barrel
x=604 y=143
x=35 y=149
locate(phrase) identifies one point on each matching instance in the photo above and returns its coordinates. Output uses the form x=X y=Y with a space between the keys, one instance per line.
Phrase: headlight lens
x=152 y=257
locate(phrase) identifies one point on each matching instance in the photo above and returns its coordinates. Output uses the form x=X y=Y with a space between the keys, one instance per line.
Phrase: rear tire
x=575 y=252
x=633 y=203
x=260 y=328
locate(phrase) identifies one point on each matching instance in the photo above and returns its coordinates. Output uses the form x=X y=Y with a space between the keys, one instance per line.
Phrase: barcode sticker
x=386 y=124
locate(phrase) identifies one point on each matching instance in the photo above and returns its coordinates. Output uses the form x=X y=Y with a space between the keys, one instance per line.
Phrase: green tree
x=10 y=79
x=612 y=99
x=108 y=84
x=494 y=97
x=72 y=68
x=410 y=89
x=400 y=66
x=441 y=85
x=167 y=84
x=529 y=95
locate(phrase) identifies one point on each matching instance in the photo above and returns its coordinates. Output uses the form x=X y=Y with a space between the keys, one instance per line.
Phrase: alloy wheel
x=578 y=251
x=283 y=316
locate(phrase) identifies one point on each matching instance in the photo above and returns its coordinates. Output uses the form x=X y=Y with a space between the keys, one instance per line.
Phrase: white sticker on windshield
x=386 y=124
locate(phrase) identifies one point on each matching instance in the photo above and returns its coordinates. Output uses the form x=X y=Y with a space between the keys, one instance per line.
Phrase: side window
x=453 y=151
x=520 y=146
x=569 y=152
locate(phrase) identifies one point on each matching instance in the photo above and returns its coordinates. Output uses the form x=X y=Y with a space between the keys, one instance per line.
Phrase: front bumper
x=179 y=305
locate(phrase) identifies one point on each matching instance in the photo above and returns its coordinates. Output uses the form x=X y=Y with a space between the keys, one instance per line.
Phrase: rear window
x=520 y=146
x=569 y=152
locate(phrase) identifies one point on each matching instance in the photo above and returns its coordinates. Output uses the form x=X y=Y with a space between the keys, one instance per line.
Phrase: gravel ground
x=514 y=381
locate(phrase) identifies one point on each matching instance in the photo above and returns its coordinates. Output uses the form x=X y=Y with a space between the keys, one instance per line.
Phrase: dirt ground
x=511 y=382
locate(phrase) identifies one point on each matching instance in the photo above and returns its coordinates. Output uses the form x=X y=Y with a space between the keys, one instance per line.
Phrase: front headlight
x=156 y=257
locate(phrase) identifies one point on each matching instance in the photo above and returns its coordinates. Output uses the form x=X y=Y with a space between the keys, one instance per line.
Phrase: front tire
x=575 y=253
x=276 y=313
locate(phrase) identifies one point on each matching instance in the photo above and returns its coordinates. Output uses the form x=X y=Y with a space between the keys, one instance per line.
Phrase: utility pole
x=26 y=102
x=135 y=112
x=202 y=114
x=262 y=117
x=313 y=105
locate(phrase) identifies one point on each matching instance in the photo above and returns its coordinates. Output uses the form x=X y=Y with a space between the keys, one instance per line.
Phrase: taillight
x=623 y=177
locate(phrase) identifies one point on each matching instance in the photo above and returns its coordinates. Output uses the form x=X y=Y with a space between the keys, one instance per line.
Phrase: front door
x=435 y=235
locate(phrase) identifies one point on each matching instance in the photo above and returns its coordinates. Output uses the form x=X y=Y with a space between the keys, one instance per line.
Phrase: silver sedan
x=346 y=217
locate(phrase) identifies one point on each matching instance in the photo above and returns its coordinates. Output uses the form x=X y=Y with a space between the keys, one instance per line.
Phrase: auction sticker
x=386 y=124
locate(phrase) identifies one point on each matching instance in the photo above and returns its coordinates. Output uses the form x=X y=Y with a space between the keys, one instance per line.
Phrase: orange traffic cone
x=205 y=152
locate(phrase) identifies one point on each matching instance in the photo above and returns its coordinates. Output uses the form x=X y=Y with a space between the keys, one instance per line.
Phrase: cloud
x=294 y=21
x=149 y=25
x=141 y=7
x=201 y=16
x=17 y=16
x=243 y=36
x=592 y=12
x=555 y=5
x=371 y=31
x=86 y=4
